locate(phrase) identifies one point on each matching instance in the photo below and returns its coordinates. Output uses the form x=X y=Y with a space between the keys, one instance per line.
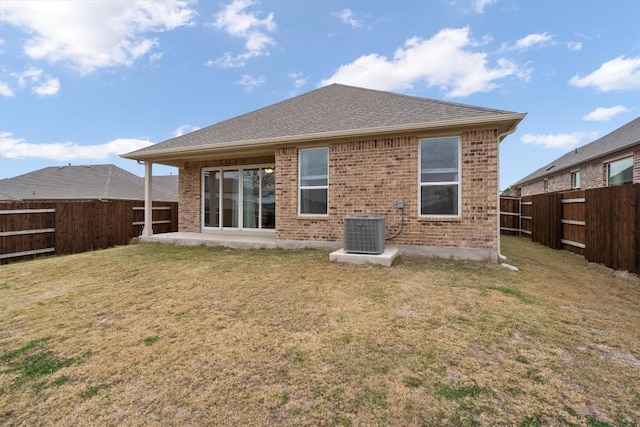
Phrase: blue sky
x=84 y=81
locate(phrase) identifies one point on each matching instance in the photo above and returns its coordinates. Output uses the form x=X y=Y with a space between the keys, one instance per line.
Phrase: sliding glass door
x=242 y=198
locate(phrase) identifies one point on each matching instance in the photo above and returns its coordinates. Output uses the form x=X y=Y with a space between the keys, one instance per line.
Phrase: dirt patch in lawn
x=162 y=335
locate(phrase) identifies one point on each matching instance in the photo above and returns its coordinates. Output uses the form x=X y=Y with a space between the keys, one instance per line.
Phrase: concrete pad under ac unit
x=385 y=258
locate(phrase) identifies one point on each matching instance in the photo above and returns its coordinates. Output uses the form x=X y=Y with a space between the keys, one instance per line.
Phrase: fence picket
x=603 y=224
x=32 y=228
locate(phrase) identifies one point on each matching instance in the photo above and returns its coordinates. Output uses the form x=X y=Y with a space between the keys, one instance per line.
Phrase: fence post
x=519 y=216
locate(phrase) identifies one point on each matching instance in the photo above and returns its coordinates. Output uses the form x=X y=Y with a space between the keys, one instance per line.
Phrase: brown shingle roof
x=85 y=182
x=332 y=109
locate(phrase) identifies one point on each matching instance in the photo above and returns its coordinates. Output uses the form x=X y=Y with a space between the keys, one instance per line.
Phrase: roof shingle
x=84 y=182
x=333 y=108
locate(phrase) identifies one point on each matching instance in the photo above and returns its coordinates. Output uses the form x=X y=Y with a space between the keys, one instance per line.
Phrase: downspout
x=501 y=136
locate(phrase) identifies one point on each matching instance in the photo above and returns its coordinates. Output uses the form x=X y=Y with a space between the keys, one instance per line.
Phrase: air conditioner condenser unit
x=364 y=234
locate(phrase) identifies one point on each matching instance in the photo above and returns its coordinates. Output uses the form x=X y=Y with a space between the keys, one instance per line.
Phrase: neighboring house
x=106 y=182
x=611 y=160
x=297 y=168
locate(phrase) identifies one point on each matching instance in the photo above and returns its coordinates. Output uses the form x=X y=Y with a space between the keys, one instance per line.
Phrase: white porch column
x=148 y=199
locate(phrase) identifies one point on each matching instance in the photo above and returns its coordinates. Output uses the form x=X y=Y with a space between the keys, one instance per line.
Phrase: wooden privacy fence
x=603 y=224
x=64 y=227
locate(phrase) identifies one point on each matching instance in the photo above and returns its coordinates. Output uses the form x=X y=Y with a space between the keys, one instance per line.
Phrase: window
x=575 y=180
x=620 y=172
x=546 y=184
x=314 y=182
x=440 y=177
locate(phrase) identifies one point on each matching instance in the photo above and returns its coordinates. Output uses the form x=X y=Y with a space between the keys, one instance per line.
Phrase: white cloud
x=563 y=141
x=90 y=35
x=574 y=46
x=181 y=130
x=346 y=16
x=299 y=79
x=49 y=87
x=602 y=114
x=531 y=40
x=41 y=84
x=17 y=148
x=5 y=90
x=250 y=82
x=228 y=61
x=479 y=5
x=155 y=57
x=618 y=74
x=445 y=61
x=236 y=21
x=476 y=6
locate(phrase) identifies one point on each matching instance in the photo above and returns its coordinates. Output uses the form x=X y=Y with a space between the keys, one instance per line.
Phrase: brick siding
x=593 y=174
x=368 y=176
x=190 y=188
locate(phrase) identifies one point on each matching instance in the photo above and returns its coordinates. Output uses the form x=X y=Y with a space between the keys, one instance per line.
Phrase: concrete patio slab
x=386 y=258
x=227 y=239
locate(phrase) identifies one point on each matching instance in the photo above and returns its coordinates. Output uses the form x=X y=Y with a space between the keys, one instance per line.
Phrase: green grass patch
x=346 y=339
x=91 y=391
x=534 y=375
x=514 y=293
x=594 y=422
x=9 y=356
x=151 y=340
x=458 y=393
x=373 y=397
x=299 y=357
x=569 y=410
x=31 y=362
x=60 y=381
x=284 y=398
x=413 y=382
x=531 y=422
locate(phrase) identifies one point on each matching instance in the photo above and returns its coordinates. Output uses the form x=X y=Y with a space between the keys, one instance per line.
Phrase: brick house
x=295 y=169
x=611 y=160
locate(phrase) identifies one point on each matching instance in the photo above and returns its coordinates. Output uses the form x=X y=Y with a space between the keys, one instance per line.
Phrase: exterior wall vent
x=364 y=234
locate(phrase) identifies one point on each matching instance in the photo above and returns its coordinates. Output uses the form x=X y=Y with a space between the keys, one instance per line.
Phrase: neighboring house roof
x=85 y=182
x=330 y=112
x=620 y=139
x=165 y=186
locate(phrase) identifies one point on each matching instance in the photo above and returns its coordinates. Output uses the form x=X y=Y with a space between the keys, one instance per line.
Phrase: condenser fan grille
x=364 y=234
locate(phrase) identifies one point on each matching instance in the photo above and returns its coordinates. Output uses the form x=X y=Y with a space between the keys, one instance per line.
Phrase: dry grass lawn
x=162 y=335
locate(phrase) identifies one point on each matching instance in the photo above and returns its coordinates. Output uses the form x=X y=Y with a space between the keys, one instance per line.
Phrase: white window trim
x=240 y=169
x=311 y=187
x=572 y=174
x=607 y=163
x=426 y=184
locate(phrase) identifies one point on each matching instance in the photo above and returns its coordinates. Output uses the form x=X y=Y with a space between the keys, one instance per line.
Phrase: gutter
x=252 y=143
